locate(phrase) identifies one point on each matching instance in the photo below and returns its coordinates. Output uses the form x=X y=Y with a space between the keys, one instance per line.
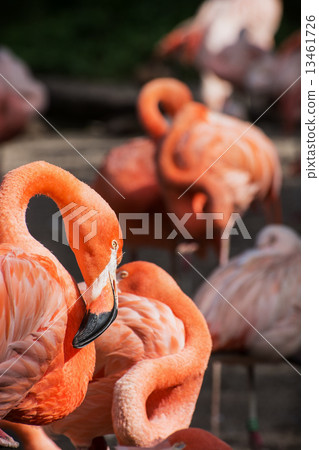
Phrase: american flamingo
x=222 y=40
x=210 y=163
x=43 y=372
x=15 y=112
x=149 y=366
x=259 y=288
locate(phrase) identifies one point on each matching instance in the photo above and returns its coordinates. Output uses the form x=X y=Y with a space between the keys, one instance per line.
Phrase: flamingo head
x=99 y=241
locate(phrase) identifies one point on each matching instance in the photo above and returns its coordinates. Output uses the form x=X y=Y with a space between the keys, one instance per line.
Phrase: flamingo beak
x=98 y=318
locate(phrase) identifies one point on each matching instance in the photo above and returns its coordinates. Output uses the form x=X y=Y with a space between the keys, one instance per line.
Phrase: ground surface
x=278 y=385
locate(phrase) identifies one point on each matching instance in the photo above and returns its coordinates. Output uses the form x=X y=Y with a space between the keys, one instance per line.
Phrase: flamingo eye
x=115 y=244
x=123 y=274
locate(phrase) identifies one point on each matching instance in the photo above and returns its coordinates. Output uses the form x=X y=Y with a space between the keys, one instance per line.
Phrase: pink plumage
x=149 y=364
x=25 y=350
x=263 y=285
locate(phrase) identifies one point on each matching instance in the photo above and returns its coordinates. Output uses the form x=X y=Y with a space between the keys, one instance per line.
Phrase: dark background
x=99 y=39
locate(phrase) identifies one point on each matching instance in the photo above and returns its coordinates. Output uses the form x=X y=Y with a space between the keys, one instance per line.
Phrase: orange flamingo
x=258 y=290
x=131 y=167
x=43 y=374
x=210 y=163
x=150 y=364
x=15 y=112
x=222 y=40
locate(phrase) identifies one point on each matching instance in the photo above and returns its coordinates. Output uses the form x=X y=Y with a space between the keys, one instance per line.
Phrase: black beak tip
x=92 y=326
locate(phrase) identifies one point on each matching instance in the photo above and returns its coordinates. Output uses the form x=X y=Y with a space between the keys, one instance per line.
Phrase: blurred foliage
x=97 y=39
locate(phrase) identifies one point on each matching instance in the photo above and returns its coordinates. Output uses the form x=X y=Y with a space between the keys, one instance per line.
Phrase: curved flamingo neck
x=178 y=165
x=18 y=187
x=177 y=376
x=171 y=94
x=23 y=183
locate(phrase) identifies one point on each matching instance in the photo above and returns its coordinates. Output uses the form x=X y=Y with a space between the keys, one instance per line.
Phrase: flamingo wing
x=31 y=324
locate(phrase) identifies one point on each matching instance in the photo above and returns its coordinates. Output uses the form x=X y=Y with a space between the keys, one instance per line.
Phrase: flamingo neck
x=171 y=94
x=178 y=164
x=158 y=396
x=18 y=187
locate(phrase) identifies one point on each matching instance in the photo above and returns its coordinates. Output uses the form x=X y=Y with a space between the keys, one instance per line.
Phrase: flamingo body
x=212 y=163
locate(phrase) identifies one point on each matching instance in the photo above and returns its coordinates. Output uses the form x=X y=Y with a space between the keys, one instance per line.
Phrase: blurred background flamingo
x=258 y=290
x=183 y=150
x=222 y=40
x=131 y=167
x=211 y=163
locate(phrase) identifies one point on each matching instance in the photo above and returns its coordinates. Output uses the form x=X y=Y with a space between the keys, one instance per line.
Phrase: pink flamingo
x=150 y=364
x=257 y=290
x=44 y=321
x=131 y=167
x=210 y=163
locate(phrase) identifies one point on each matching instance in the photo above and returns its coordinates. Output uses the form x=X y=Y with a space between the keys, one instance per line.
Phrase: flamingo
x=222 y=40
x=44 y=371
x=210 y=163
x=149 y=366
x=15 y=112
x=131 y=168
x=257 y=290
